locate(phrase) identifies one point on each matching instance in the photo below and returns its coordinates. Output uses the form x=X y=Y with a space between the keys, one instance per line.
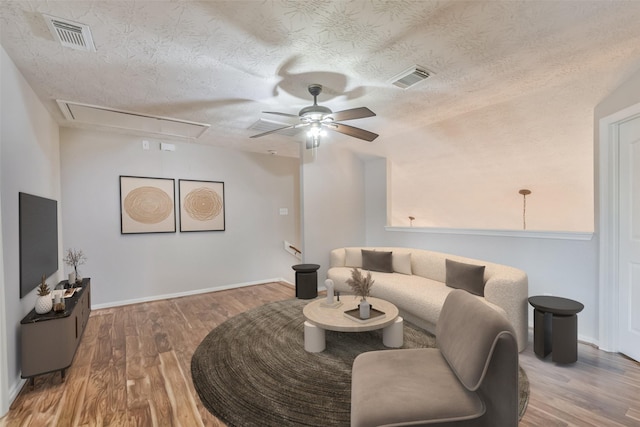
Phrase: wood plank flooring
x=133 y=369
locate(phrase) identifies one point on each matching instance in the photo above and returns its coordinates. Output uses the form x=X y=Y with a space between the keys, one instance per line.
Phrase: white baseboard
x=15 y=390
x=187 y=293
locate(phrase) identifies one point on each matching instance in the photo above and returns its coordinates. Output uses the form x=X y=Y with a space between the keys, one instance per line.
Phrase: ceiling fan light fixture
x=318 y=117
x=314 y=112
x=316 y=131
x=313 y=142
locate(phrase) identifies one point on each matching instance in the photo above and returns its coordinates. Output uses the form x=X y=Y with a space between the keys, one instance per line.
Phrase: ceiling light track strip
x=103 y=116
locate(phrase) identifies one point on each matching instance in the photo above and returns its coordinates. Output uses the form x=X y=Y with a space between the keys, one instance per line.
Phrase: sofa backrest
x=467 y=334
x=428 y=264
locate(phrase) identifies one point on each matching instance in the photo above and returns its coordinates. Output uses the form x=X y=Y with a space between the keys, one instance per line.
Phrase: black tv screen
x=38 y=240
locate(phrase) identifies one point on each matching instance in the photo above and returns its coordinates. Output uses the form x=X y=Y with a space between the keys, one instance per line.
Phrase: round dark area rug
x=252 y=370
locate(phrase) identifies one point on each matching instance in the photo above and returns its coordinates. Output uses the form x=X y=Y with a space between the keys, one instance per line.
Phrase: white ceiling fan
x=318 y=118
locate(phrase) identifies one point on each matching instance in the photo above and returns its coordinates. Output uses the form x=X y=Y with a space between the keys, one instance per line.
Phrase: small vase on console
x=58 y=303
x=72 y=279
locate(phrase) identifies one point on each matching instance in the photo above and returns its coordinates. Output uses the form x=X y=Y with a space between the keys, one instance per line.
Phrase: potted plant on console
x=74 y=258
x=361 y=287
x=44 y=303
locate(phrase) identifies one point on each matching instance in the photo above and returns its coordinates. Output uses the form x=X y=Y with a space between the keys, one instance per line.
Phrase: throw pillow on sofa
x=377 y=261
x=353 y=257
x=402 y=263
x=465 y=276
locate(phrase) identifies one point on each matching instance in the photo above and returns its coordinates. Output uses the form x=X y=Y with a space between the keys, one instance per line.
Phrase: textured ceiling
x=510 y=103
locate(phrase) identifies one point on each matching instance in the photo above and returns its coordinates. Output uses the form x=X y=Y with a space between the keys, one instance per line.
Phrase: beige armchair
x=471 y=379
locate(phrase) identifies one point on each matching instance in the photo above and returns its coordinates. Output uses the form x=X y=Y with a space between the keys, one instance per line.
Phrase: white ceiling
x=510 y=103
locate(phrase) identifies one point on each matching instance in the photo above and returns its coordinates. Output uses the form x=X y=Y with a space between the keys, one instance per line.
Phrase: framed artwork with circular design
x=147 y=205
x=201 y=205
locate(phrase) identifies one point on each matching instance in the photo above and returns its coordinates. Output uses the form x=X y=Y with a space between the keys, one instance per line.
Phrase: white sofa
x=417 y=285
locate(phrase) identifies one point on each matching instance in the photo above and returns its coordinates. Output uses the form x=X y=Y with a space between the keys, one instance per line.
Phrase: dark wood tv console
x=49 y=341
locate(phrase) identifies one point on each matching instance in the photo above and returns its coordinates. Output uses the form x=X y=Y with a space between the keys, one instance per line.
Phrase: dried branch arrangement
x=359 y=284
x=74 y=258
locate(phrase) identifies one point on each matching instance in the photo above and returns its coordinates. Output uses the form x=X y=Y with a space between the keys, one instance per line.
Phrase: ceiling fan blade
x=281 y=114
x=354 y=113
x=300 y=125
x=352 y=131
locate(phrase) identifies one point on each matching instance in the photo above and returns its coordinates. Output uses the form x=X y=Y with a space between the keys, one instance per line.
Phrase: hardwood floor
x=133 y=369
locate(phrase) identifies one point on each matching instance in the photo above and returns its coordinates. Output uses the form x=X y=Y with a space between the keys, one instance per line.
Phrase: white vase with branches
x=361 y=287
x=74 y=258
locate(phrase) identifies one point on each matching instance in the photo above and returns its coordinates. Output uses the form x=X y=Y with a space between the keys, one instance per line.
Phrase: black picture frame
x=147 y=205
x=202 y=205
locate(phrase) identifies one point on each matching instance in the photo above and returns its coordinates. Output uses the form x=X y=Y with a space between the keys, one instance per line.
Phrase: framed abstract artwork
x=147 y=205
x=201 y=205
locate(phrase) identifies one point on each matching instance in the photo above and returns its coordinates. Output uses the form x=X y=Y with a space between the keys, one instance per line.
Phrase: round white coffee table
x=320 y=318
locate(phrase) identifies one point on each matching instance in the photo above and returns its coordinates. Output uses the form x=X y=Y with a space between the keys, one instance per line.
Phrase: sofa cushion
x=401 y=263
x=353 y=257
x=377 y=261
x=465 y=276
x=466 y=334
x=398 y=387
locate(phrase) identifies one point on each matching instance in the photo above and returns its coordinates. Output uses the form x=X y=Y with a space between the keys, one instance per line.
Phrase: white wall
x=625 y=95
x=333 y=203
x=30 y=163
x=377 y=191
x=126 y=268
x=4 y=375
x=562 y=267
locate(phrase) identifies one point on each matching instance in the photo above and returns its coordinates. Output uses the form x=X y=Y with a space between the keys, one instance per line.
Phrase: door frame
x=608 y=189
x=4 y=367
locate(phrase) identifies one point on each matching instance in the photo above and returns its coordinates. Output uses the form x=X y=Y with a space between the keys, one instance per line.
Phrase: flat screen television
x=38 y=240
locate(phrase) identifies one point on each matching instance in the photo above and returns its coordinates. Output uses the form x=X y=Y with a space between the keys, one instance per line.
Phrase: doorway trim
x=608 y=223
x=4 y=367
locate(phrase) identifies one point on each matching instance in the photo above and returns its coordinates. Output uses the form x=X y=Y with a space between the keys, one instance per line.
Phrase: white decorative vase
x=72 y=278
x=365 y=309
x=44 y=304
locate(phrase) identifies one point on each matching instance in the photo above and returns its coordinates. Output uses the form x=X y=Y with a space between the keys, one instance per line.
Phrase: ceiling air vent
x=120 y=119
x=70 y=34
x=410 y=77
x=263 y=125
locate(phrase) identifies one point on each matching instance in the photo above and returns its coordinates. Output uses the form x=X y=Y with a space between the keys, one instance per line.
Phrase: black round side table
x=306 y=280
x=555 y=327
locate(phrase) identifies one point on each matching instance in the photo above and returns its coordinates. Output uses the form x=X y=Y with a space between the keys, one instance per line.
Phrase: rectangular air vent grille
x=70 y=34
x=410 y=77
x=120 y=119
x=263 y=125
